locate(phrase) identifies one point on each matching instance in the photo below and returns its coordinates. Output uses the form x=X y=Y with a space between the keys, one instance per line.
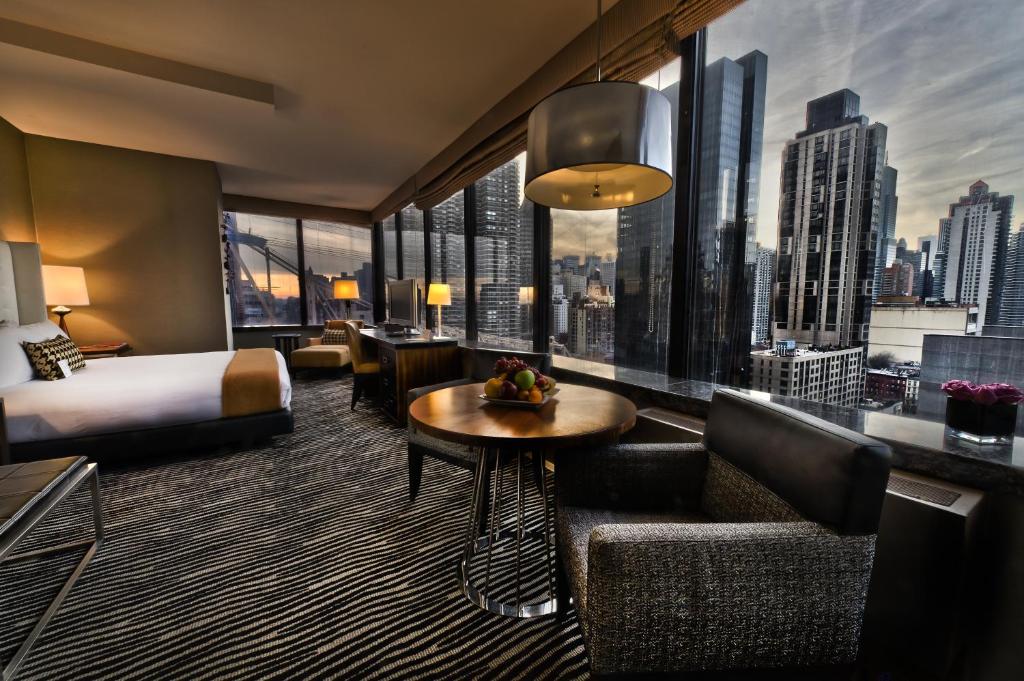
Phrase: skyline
x=920 y=67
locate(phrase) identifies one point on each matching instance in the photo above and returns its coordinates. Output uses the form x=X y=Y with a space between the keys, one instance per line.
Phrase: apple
x=508 y=390
x=525 y=379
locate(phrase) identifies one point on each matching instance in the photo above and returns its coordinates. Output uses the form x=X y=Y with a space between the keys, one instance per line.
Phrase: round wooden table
x=577 y=416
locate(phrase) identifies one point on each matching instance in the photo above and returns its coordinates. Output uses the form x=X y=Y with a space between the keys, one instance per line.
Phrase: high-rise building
x=927 y=246
x=448 y=262
x=887 y=246
x=498 y=253
x=559 y=315
x=608 y=274
x=830 y=213
x=643 y=275
x=973 y=239
x=571 y=263
x=829 y=376
x=1011 y=310
x=764 y=279
x=732 y=132
x=898 y=279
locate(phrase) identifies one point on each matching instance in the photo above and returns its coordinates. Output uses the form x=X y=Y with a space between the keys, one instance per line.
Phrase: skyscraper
x=885 y=250
x=498 y=261
x=927 y=246
x=448 y=261
x=1011 y=310
x=643 y=276
x=764 y=279
x=898 y=279
x=830 y=213
x=732 y=130
x=973 y=239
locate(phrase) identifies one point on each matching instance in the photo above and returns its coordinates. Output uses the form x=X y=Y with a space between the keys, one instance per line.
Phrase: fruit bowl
x=516 y=384
x=520 y=404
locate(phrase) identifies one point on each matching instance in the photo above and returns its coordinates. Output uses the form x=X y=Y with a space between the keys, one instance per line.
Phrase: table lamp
x=526 y=295
x=439 y=294
x=64 y=286
x=347 y=290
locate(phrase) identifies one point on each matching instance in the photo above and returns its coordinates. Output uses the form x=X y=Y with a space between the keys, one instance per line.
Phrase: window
x=262 y=270
x=412 y=254
x=611 y=273
x=336 y=251
x=448 y=261
x=390 y=248
x=832 y=169
x=504 y=258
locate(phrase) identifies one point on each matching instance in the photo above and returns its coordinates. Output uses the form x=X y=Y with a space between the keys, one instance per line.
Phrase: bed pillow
x=333 y=337
x=14 y=365
x=46 y=357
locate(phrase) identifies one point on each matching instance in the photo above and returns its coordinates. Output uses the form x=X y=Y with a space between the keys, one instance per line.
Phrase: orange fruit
x=536 y=396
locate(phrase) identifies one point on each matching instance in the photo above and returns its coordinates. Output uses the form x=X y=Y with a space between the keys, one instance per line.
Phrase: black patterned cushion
x=46 y=355
x=334 y=337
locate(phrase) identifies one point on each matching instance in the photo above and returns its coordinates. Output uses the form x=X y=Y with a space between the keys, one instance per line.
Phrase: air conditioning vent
x=922 y=491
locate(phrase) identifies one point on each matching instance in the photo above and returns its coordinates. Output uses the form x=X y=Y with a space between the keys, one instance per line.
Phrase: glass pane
x=412 y=254
x=885 y=256
x=263 y=270
x=611 y=273
x=336 y=251
x=504 y=258
x=448 y=245
x=390 y=249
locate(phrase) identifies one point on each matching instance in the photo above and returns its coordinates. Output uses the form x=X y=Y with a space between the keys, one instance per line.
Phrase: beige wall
x=901 y=330
x=16 y=222
x=145 y=228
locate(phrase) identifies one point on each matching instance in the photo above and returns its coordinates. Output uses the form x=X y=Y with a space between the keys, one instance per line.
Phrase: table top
x=576 y=416
x=425 y=338
x=286 y=335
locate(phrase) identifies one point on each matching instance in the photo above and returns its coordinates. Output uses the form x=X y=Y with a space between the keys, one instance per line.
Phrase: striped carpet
x=301 y=559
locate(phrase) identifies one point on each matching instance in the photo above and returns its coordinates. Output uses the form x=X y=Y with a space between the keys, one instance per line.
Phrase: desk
x=576 y=416
x=408 y=362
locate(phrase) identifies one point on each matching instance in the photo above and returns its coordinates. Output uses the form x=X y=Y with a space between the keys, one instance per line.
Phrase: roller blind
x=638 y=37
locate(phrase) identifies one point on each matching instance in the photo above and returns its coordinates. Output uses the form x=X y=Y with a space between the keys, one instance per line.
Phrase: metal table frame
x=9 y=541
x=484 y=536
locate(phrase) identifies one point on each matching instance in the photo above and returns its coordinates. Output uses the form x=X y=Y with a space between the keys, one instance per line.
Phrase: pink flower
x=960 y=390
x=985 y=394
x=1006 y=393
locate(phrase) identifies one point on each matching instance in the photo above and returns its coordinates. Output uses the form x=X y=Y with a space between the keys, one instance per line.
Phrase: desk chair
x=365 y=367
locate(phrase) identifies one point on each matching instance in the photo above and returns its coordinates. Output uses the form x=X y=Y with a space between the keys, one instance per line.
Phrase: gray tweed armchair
x=750 y=550
x=477 y=366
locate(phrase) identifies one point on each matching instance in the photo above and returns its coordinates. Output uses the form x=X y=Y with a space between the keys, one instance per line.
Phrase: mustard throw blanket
x=251 y=383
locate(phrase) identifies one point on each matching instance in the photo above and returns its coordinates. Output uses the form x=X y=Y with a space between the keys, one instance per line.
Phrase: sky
x=945 y=76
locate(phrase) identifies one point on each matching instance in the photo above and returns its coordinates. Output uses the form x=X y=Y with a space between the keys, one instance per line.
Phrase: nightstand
x=105 y=350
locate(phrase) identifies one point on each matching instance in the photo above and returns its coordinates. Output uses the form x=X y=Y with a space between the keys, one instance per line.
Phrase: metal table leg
x=494 y=538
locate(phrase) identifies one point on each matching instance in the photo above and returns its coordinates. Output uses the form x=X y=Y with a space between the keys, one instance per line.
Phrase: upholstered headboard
x=21 y=283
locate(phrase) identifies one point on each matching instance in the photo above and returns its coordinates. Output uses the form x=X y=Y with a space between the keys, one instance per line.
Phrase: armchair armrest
x=724 y=595
x=634 y=476
x=313 y=341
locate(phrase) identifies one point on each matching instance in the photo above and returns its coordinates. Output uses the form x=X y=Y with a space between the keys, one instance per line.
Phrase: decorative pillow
x=334 y=337
x=45 y=357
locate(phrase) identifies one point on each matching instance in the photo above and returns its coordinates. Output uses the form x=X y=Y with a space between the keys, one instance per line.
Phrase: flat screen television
x=402 y=303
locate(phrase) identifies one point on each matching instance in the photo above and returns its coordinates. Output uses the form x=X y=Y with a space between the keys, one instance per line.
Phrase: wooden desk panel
x=408 y=362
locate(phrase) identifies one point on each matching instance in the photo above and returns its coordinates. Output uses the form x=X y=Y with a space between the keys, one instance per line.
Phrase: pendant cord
x=598 y=41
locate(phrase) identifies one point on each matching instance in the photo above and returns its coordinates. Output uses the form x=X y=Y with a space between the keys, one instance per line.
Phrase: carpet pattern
x=303 y=558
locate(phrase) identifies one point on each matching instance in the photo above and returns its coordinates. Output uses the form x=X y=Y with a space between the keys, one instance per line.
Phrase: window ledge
x=918 y=445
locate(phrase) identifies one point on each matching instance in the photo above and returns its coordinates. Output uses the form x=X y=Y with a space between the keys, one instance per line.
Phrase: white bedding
x=123 y=393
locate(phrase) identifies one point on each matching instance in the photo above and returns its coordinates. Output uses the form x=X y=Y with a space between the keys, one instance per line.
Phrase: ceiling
x=366 y=91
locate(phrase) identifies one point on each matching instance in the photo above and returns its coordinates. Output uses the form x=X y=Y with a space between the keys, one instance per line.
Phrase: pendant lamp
x=606 y=144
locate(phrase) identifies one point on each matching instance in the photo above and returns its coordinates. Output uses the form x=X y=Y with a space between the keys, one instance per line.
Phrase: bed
x=121 y=406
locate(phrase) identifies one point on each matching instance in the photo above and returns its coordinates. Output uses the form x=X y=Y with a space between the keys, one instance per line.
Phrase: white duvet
x=123 y=393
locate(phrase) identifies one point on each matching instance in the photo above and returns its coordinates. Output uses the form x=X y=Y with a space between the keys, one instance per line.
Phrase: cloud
x=942 y=75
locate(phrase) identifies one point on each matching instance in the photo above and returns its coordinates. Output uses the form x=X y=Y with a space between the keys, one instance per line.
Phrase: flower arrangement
x=987 y=393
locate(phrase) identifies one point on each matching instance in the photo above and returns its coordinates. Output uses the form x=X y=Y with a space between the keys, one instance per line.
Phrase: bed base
x=137 y=445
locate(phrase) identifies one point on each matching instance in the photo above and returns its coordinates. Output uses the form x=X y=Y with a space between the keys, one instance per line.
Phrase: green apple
x=525 y=379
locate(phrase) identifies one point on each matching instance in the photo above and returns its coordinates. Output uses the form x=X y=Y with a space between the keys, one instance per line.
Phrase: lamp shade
x=346 y=289
x=599 y=145
x=525 y=295
x=439 y=294
x=64 y=285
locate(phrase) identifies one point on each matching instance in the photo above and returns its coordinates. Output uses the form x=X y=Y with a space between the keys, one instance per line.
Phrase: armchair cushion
x=828 y=474
x=677 y=597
